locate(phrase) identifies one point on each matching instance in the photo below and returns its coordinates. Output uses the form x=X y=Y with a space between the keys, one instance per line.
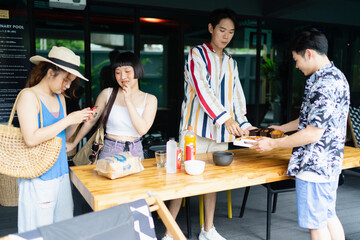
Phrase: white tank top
x=119 y=122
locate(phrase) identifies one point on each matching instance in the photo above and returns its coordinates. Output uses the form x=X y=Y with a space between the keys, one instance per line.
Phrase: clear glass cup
x=160 y=157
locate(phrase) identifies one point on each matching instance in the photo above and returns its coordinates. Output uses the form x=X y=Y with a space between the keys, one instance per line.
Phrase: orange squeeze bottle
x=190 y=139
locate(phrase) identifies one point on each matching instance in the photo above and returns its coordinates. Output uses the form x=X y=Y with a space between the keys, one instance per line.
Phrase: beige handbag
x=19 y=160
x=89 y=153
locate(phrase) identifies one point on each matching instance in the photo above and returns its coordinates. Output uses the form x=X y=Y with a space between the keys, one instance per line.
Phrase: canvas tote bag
x=89 y=153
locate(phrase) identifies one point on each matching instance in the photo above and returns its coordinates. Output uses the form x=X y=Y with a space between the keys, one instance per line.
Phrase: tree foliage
x=73 y=45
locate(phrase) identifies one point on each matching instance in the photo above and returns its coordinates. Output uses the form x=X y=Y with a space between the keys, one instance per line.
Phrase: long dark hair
x=109 y=104
x=39 y=71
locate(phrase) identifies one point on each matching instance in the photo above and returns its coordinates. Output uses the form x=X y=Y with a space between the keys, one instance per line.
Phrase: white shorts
x=44 y=202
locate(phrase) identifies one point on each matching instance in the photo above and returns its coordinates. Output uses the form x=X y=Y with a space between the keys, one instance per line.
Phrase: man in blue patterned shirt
x=318 y=144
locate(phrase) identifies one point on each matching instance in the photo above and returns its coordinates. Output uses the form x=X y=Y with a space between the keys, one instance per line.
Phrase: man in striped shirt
x=214 y=103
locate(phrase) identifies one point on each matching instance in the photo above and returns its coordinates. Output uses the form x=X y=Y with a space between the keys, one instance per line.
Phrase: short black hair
x=310 y=39
x=218 y=14
x=112 y=55
x=129 y=59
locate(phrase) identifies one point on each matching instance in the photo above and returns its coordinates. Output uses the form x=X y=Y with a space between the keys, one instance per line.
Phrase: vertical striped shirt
x=212 y=94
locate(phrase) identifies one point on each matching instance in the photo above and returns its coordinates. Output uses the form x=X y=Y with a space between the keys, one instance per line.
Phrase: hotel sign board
x=14 y=63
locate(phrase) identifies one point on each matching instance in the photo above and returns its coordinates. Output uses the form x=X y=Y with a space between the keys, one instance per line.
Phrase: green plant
x=73 y=45
x=95 y=74
x=268 y=71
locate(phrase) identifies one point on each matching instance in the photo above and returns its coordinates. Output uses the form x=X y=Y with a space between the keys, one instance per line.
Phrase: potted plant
x=273 y=87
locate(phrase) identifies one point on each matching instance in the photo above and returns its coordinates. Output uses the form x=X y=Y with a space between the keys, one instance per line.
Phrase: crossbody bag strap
x=12 y=114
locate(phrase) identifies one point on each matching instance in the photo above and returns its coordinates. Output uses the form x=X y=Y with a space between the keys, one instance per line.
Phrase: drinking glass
x=160 y=156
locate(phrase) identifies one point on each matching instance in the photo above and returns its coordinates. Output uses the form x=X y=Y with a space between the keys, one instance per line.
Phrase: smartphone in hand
x=93 y=109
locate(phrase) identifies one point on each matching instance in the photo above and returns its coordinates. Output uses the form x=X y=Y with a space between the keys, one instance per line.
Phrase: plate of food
x=246 y=141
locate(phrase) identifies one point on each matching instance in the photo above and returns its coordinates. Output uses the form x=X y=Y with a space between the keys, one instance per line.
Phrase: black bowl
x=223 y=158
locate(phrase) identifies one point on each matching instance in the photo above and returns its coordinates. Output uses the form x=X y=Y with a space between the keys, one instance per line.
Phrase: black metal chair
x=354 y=124
x=354 y=127
x=273 y=189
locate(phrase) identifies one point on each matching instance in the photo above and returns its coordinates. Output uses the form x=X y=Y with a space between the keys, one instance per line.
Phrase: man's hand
x=233 y=127
x=277 y=127
x=264 y=145
x=247 y=131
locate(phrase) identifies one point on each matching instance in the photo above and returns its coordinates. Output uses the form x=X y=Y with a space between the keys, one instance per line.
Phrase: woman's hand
x=127 y=93
x=80 y=116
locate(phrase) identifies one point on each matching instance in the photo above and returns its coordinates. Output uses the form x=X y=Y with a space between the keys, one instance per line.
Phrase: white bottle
x=171 y=156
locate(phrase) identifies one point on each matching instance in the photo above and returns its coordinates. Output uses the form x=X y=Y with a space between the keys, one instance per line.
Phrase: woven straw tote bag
x=19 y=160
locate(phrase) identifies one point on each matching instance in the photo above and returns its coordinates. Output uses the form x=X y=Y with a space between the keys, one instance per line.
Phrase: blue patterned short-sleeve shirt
x=325 y=105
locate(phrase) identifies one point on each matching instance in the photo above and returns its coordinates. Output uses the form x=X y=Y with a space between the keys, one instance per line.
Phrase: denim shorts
x=113 y=146
x=315 y=203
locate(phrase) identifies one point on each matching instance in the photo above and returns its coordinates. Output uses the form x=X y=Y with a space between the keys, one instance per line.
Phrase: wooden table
x=247 y=169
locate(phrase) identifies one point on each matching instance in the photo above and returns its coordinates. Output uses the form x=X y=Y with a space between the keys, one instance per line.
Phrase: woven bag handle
x=14 y=107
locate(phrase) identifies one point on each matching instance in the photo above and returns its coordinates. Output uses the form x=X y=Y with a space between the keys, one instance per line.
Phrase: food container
x=277 y=134
x=265 y=132
x=246 y=141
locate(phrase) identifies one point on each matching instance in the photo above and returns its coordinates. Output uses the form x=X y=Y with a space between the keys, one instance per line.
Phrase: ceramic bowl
x=223 y=158
x=194 y=167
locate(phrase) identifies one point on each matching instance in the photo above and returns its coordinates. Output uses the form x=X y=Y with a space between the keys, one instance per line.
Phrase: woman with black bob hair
x=129 y=59
x=126 y=112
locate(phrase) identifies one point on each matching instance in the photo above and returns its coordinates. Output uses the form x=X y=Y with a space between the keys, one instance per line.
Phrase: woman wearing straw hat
x=47 y=199
x=128 y=115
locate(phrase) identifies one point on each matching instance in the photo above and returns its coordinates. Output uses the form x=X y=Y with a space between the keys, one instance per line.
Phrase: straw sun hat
x=62 y=57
